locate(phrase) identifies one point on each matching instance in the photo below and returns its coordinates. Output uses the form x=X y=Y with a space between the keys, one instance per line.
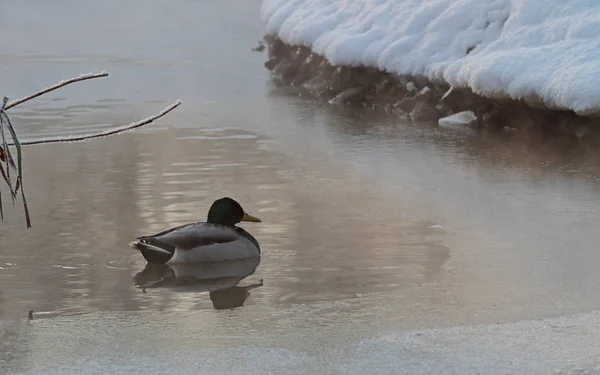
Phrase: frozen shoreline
x=140 y=343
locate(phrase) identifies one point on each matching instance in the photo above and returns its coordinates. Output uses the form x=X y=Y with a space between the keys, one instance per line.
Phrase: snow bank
x=536 y=50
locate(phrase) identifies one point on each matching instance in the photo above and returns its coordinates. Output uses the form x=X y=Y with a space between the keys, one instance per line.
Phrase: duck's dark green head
x=228 y=212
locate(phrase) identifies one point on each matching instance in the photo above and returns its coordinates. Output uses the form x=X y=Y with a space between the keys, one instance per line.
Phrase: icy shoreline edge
x=415 y=98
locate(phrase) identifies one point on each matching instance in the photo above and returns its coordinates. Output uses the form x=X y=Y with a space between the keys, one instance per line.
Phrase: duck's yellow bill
x=251 y=218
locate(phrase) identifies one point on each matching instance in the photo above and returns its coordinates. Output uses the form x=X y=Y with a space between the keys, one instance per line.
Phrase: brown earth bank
x=417 y=99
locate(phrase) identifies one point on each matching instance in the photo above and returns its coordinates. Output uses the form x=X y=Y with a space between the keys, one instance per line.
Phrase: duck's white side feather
x=238 y=249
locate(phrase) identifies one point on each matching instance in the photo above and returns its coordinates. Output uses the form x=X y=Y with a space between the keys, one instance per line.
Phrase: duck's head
x=228 y=212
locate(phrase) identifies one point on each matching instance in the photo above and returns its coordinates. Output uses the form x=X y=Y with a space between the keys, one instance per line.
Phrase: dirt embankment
x=416 y=98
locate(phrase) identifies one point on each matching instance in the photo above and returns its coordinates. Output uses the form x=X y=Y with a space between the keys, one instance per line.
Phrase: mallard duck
x=216 y=239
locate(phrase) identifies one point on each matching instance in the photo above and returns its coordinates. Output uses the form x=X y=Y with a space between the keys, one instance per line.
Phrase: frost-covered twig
x=5 y=121
x=82 y=77
x=107 y=132
x=5 y=152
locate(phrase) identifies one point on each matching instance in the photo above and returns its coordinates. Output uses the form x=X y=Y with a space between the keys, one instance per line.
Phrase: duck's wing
x=169 y=230
x=197 y=235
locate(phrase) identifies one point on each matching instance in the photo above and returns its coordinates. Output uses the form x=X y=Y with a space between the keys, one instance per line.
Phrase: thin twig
x=17 y=144
x=5 y=150
x=107 y=132
x=7 y=156
x=4 y=154
x=82 y=77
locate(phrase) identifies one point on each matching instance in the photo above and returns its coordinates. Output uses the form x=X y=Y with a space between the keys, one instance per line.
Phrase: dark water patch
x=529 y=152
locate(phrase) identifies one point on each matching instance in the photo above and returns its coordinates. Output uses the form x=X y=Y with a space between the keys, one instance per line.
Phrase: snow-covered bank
x=535 y=50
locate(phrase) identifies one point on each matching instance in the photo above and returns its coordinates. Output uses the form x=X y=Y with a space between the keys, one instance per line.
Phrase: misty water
x=369 y=224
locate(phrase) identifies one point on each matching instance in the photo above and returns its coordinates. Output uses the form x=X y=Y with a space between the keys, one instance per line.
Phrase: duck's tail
x=153 y=250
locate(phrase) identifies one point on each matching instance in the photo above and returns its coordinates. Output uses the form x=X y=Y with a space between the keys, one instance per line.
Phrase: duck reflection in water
x=219 y=279
x=234 y=296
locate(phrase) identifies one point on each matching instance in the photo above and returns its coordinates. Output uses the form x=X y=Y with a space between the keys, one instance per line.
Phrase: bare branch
x=5 y=153
x=82 y=77
x=107 y=132
x=19 y=165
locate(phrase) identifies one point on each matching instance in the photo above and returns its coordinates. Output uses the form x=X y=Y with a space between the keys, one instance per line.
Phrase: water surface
x=369 y=225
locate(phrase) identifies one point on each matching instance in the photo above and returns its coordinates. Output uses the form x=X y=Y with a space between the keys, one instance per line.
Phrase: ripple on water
x=215 y=137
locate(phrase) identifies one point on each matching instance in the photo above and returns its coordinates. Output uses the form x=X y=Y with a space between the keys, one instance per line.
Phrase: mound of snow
x=537 y=50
